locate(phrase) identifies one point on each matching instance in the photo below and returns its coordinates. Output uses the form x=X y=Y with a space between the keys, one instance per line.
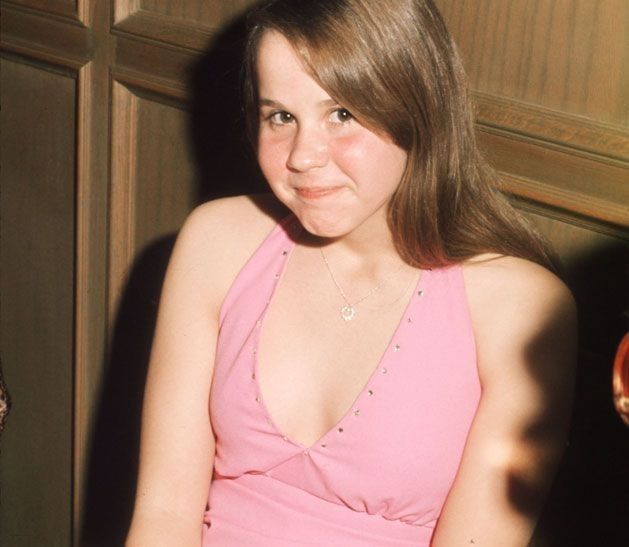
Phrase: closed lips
x=317 y=191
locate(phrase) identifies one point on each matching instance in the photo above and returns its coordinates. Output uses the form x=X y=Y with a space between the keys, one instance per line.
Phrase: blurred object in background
x=621 y=379
x=5 y=403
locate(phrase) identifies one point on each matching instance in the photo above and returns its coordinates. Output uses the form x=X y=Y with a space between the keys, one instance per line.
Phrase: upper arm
x=524 y=322
x=177 y=442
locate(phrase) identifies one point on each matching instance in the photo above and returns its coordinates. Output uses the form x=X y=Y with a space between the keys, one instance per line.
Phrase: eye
x=341 y=115
x=281 y=117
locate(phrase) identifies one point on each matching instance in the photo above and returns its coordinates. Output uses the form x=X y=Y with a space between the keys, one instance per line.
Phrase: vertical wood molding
x=124 y=8
x=85 y=12
x=91 y=266
x=91 y=256
x=82 y=283
x=123 y=190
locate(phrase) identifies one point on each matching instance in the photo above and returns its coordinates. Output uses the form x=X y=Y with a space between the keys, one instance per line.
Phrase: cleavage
x=312 y=365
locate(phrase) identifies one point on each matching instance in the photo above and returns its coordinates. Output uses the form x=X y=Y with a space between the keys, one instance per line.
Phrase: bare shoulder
x=510 y=281
x=519 y=309
x=220 y=235
x=511 y=285
x=239 y=219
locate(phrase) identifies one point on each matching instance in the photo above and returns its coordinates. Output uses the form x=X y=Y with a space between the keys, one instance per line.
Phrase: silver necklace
x=348 y=311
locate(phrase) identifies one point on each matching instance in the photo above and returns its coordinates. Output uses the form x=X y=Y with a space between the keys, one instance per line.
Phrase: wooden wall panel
x=37 y=224
x=165 y=174
x=595 y=264
x=68 y=8
x=153 y=181
x=198 y=12
x=574 y=240
x=190 y=24
x=537 y=50
x=556 y=175
x=556 y=127
x=37 y=35
x=550 y=83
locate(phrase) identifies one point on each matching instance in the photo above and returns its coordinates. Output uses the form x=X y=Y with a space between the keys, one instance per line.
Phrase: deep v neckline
x=378 y=369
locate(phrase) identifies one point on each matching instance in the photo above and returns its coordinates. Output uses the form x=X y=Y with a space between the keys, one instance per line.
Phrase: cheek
x=370 y=157
x=272 y=155
x=351 y=154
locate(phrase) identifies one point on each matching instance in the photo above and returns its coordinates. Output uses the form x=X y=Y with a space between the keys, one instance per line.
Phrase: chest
x=405 y=430
x=312 y=364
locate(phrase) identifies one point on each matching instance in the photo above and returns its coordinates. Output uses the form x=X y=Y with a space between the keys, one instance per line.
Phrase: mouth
x=316 y=192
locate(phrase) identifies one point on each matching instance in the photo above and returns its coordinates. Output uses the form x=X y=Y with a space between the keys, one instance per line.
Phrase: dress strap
x=275 y=246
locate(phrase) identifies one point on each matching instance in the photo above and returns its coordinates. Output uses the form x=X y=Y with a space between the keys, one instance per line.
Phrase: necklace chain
x=348 y=311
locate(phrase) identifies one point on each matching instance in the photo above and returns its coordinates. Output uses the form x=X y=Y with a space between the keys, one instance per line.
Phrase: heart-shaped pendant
x=348 y=313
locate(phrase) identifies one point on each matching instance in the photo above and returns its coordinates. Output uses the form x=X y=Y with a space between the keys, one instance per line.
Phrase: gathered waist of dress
x=257 y=510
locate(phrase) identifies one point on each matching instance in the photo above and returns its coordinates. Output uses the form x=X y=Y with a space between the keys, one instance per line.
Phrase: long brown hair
x=394 y=66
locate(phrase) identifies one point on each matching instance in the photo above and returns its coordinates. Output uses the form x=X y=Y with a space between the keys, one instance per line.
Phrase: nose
x=309 y=150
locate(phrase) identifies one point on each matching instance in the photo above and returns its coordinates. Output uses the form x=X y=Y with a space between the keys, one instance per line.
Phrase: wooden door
x=119 y=116
x=100 y=165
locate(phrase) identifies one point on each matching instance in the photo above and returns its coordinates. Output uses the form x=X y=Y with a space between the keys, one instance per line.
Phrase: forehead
x=280 y=70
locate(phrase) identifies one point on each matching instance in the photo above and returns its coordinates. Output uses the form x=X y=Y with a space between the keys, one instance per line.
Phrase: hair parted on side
x=394 y=66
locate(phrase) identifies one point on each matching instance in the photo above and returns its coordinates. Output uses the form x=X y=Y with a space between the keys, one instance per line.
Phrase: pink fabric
x=379 y=477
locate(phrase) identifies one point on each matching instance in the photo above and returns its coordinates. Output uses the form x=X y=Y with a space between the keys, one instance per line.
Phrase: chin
x=329 y=228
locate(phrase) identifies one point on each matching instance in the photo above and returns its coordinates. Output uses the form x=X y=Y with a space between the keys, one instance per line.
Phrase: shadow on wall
x=586 y=505
x=588 y=502
x=224 y=157
x=225 y=166
x=113 y=459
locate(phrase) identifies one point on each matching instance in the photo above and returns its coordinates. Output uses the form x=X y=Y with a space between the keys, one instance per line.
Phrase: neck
x=369 y=247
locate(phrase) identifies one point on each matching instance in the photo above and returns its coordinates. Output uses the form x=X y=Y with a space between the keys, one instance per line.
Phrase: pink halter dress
x=380 y=476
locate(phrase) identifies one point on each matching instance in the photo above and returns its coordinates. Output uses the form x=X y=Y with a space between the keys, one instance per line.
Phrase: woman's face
x=333 y=173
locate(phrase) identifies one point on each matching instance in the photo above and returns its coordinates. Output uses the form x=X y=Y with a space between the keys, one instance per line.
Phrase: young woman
x=377 y=353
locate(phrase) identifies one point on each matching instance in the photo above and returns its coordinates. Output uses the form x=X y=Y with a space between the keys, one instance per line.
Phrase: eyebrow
x=276 y=104
x=269 y=102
